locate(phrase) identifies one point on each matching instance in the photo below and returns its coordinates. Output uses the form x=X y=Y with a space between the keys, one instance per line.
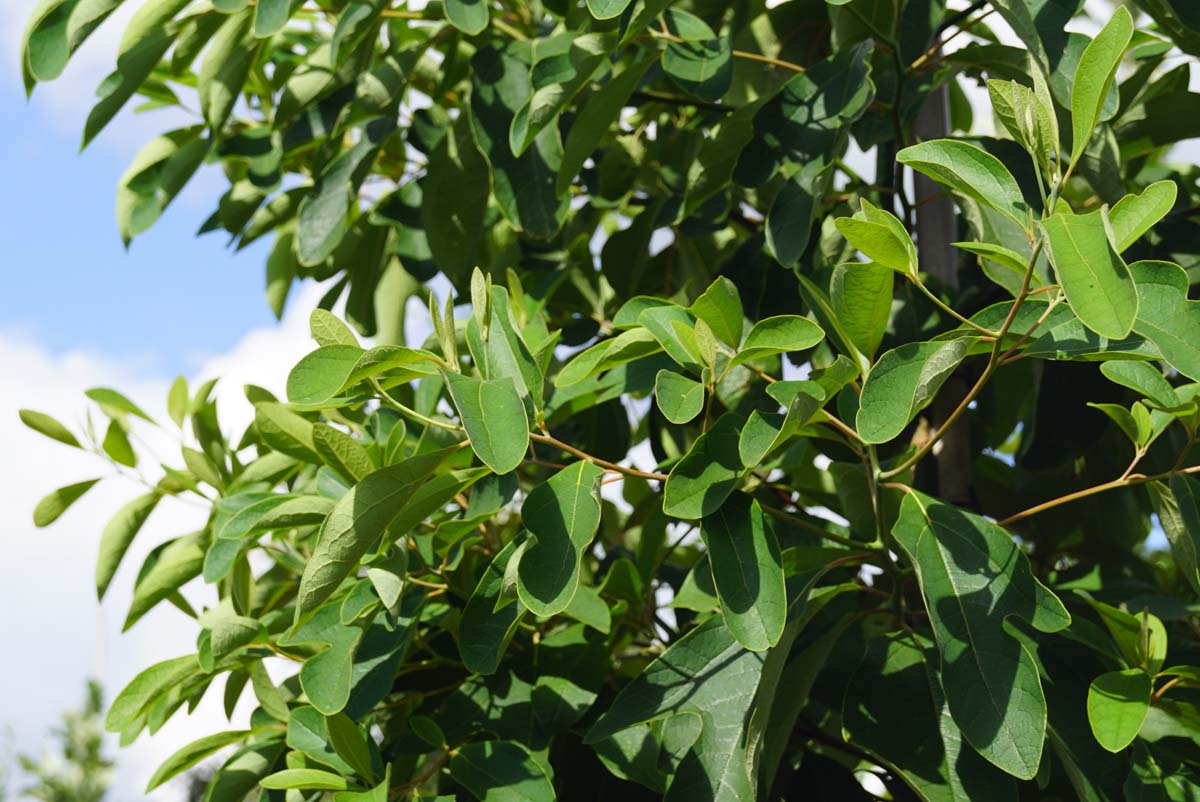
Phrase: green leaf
x=245 y=514
x=1179 y=513
x=193 y=753
x=523 y=186
x=580 y=56
x=679 y=398
x=1165 y=315
x=145 y=688
x=1143 y=378
x=973 y=578
x=350 y=744
x=285 y=431
x=862 y=300
x=902 y=383
x=357 y=522
x=117 y=446
x=469 y=16
x=455 y=194
x=320 y=375
x=118 y=534
x=563 y=514
x=1141 y=638
x=50 y=508
x=702 y=63
x=270 y=16
x=705 y=673
x=494 y=417
x=55 y=31
x=1134 y=215
x=747 y=572
x=766 y=431
x=225 y=68
x=880 y=237
x=778 y=335
x=1117 y=704
x=607 y=9
x=1134 y=422
x=1028 y=116
x=700 y=482
x=970 y=171
x=327 y=329
x=600 y=112
x=1095 y=280
x=179 y=562
x=500 y=771
x=43 y=424
x=306 y=732
x=177 y=401
x=720 y=307
x=484 y=630
x=894 y=708
x=112 y=400
x=305 y=779
x=1094 y=75
x=341 y=452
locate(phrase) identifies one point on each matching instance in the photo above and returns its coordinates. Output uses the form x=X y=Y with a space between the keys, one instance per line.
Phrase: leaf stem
x=412 y=413
x=992 y=363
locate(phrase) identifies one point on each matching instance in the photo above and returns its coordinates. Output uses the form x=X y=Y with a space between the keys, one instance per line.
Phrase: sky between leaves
x=79 y=311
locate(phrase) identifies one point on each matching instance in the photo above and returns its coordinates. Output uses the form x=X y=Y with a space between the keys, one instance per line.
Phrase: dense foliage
x=885 y=536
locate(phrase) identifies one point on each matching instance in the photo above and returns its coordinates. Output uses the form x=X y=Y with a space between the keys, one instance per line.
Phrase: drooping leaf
x=118 y=534
x=862 y=299
x=484 y=630
x=747 y=571
x=973 y=577
x=193 y=753
x=563 y=514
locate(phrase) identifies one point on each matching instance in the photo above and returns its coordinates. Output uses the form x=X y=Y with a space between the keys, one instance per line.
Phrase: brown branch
x=546 y=439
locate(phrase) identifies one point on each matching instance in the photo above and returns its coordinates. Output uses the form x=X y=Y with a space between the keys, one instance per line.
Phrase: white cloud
x=52 y=627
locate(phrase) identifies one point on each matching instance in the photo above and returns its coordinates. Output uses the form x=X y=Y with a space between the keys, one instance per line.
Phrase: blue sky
x=172 y=299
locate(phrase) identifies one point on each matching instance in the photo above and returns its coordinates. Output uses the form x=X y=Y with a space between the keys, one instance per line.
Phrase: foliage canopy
x=900 y=442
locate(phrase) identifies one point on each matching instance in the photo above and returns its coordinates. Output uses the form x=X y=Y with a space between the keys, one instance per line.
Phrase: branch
x=612 y=466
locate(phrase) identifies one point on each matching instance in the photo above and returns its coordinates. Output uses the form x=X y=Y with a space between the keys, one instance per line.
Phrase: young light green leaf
x=1094 y=75
x=971 y=171
x=679 y=398
x=494 y=416
x=43 y=424
x=720 y=306
x=902 y=383
x=118 y=534
x=193 y=753
x=177 y=400
x=563 y=514
x=112 y=400
x=1134 y=215
x=880 y=243
x=145 y=688
x=778 y=335
x=1095 y=280
x=321 y=374
x=1117 y=704
x=747 y=571
x=327 y=329
x=973 y=576
x=305 y=779
x=701 y=481
x=166 y=570
x=50 y=508
x=862 y=299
